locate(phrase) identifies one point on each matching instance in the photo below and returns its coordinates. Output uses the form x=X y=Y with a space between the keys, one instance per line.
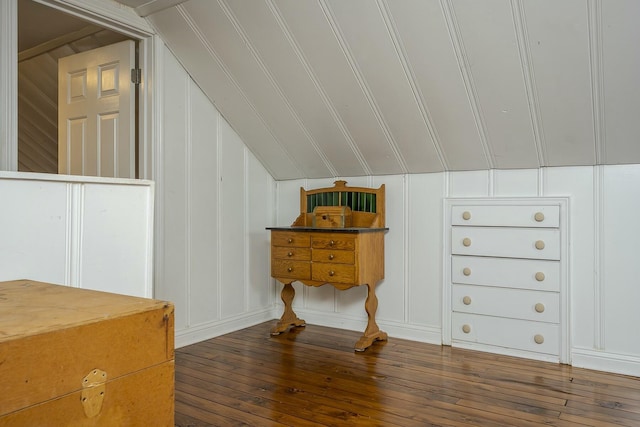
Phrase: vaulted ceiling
x=328 y=88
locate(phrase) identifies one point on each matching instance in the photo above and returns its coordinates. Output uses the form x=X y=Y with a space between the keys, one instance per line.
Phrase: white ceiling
x=329 y=88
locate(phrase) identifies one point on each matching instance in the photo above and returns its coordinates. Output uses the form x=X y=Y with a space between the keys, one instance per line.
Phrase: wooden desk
x=342 y=257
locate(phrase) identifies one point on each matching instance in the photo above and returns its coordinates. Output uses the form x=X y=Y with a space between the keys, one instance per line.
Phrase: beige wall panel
x=316 y=38
x=214 y=81
x=249 y=73
x=559 y=47
x=424 y=35
x=287 y=65
x=487 y=30
x=621 y=68
x=369 y=40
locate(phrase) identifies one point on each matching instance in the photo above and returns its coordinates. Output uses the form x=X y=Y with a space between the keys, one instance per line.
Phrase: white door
x=96 y=106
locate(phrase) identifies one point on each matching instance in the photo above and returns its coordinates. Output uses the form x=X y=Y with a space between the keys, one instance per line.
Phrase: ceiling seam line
x=411 y=79
x=594 y=11
x=307 y=67
x=362 y=83
x=461 y=57
x=245 y=38
x=214 y=55
x=526 y=62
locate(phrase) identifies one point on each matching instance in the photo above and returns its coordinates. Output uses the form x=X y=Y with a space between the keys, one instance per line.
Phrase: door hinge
x=136 y=76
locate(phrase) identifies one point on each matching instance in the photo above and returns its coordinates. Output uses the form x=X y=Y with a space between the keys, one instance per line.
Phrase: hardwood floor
x=312 y=377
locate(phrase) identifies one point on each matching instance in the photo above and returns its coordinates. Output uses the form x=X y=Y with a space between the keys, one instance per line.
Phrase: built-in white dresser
x=506 y=285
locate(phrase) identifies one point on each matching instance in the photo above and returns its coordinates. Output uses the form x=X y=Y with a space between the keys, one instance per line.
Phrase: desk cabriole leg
x=289 y=317
x=373 y=332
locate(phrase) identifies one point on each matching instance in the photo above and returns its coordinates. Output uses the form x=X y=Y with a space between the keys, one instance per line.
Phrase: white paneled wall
x=602 y=238
x=85 y=232
x=215 y=200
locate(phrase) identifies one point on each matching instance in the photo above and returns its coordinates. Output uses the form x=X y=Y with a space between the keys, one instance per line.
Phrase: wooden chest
x=76 y=357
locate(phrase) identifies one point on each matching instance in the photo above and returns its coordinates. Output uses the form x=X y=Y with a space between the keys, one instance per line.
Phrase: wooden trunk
x=76 y=357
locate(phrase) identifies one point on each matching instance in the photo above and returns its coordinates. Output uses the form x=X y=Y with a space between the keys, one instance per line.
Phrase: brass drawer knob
x=539 y=244
x=331 y=273
x=466 y=215
x=331 y=243
x=466 y=241
x=539 y=339
x=539 y=276
x=466 y=300
x=290 y=240
x=331 y=256
x=290 y=254
x=466 y=271
x=540 y=307
x=289 y=269
x=539 y=217
x=466 y=329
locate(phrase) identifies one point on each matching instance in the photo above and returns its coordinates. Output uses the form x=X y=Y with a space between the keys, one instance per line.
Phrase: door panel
x=96 y=130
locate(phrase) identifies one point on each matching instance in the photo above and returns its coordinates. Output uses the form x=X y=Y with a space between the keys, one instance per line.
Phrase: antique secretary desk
x=337 y=239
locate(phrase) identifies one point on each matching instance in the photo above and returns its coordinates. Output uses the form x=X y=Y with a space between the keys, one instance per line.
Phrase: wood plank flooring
x=311 y=376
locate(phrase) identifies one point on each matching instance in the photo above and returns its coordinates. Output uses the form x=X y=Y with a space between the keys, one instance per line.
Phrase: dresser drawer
x=534 y=243
x=300 y=270
x=508 y=333
x=506 y=216
x=333 y=241
x=333 y=273
x=290 y=239
x=292 y=253
x=533 y=274
x=334 y=256
x=502 y=302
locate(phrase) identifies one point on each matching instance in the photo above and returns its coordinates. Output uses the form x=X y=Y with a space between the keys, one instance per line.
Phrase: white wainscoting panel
x=217 y=200
x=92 y=233
x=602 y=258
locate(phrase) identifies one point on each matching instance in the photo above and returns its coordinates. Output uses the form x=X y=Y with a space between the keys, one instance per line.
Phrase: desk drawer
x=290 y=239
x=333 y=256
x=532 y=243
x=299 y=270
x=333 y=273
x=292 y=253
x=333 y=241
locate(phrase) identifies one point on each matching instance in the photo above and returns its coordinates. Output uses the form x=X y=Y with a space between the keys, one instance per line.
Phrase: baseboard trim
x=205 y=331
x=419 y=333
x=604 y=361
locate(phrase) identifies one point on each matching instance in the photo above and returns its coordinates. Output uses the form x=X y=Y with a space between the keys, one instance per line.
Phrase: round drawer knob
x=539 y=276
x=466 y=329
x=331 y=243
x=539 y=216
x=540 y=307
x=466 y=271
x=290 y=269
x=466 y=300
x=539 y=244
x=539 y=339
x=466 y=241
x=331 y=256
x=331 y=273
x=466 y=215
x=290 y=254
x=290 y=240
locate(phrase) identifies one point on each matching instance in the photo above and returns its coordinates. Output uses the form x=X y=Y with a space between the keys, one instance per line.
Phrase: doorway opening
x=45 y=35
